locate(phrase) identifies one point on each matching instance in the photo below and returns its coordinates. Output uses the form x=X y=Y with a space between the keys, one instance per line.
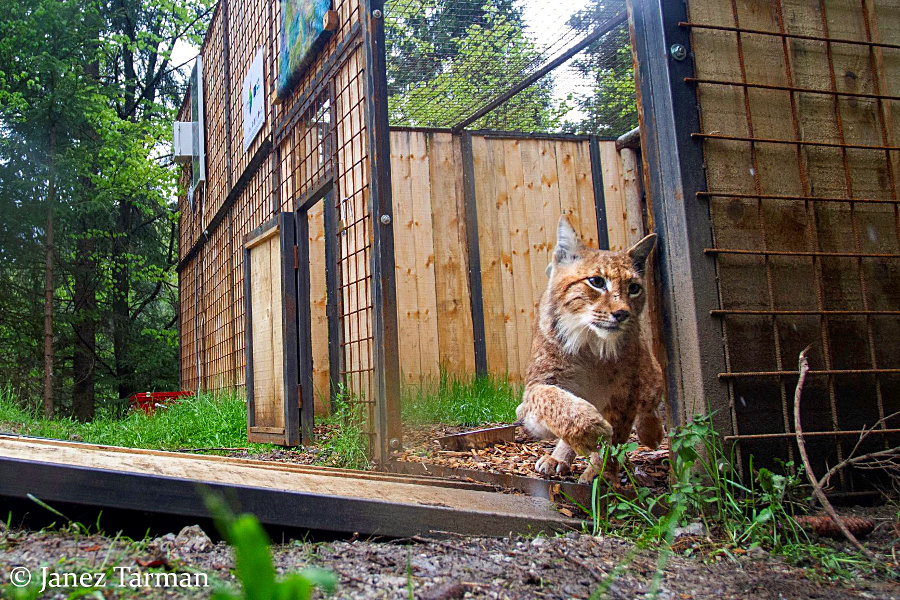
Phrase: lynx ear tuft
x=640 y=251
x=567 y=243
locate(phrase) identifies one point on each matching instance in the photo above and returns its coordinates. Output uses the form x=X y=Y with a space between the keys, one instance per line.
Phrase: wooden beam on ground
x=278 y=494
x=480 y=438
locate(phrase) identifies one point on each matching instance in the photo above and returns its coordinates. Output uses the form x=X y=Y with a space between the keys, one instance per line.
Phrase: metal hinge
x=296 y=258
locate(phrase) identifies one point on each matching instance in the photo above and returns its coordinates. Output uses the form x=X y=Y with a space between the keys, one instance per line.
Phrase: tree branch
x=801 y=443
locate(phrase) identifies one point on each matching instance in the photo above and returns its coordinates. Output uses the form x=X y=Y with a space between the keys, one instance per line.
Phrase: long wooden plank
x=405 y=257
x=489 y=248
x=317 y=499
x=262 y=325
x=585 y=189
x=552 y=206
x=520 y=252
x=613 y=184
x=423 y=240
x=277 y=304
x=634 y=221
x=454 y=317
x=569 y=202
x=501 y=203
x=535 y=219
x=318 y=302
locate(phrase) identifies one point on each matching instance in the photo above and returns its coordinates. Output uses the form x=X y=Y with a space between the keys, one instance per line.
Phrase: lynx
x=592 y=374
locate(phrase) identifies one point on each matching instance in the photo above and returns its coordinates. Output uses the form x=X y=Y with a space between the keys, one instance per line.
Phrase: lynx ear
x=567 y=243
x=640 y=251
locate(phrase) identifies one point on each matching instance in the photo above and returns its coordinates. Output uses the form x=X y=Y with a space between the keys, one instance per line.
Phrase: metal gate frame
x=674 y=175
x=854 y=391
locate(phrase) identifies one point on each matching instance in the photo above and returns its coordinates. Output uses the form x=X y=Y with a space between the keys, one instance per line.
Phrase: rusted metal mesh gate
x=795 y=238
x=323 y=137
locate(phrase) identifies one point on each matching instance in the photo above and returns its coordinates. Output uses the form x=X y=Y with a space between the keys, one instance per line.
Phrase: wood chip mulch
x=647 y=466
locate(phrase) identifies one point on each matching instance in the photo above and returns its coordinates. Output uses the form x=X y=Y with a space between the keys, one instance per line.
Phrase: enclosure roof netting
x=450 y=61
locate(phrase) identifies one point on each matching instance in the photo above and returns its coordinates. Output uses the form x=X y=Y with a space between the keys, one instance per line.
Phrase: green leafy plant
x=347 y=444
x=705 y=486
x=253 y=561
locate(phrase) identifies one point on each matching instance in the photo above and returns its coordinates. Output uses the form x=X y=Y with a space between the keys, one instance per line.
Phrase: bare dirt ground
x=569 y=566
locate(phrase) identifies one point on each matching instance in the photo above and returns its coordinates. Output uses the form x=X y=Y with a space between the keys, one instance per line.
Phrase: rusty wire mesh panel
x=798 y=104
x=187 y=327
x=218 y=315
x=315 y=134
x=450 y=58
x=250 y=28
x=354 y=236
x=215 y=115
x=306 y=150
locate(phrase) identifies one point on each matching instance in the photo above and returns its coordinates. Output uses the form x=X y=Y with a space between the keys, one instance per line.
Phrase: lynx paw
x=547 y=465
x=588 y=476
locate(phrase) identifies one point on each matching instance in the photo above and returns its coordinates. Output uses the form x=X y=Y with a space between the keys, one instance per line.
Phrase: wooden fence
x=521 y=185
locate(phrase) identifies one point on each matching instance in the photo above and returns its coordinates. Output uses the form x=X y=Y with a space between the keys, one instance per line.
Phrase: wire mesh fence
x=529 y=66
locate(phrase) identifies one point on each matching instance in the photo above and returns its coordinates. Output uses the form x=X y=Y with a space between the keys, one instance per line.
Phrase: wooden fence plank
x=489 y=248
x=569 y=201
x=423 y=240
x=613 y=184
x=405 y=257
x=454 y=317
x=585 y=189
x=520 y=253
x=318 y=301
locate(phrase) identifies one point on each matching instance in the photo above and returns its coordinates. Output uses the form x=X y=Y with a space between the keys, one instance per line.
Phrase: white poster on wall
x=254 y=100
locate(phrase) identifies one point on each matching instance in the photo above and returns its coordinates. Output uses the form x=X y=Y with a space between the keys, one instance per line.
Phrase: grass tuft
x=456 y=401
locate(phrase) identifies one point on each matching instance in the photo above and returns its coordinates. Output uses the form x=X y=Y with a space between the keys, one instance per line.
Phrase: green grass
x=455 y=401
x=346 y=446
x=205 y=421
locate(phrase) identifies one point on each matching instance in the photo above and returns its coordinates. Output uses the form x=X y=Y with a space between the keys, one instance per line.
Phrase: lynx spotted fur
x=592 y=375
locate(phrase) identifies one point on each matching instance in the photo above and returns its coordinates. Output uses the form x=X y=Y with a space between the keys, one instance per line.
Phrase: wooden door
x=270 y=305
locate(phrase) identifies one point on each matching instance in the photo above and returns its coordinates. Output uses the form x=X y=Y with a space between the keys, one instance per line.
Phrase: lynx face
x=594 y=296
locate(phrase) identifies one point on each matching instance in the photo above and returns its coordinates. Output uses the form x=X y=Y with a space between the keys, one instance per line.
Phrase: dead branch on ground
x=816 y=485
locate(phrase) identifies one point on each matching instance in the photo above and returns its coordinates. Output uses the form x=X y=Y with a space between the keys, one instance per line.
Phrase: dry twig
x=817 y=488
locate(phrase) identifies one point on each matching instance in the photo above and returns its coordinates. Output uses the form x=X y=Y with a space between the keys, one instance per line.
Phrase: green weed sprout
x=253 y=561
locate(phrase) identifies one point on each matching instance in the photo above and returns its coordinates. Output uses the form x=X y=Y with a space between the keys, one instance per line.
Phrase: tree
x=610 y=107
x=449 y=58
x=96 y=75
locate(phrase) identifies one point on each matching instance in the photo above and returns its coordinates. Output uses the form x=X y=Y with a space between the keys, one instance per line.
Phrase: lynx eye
x=598 y=283
x=634 y=289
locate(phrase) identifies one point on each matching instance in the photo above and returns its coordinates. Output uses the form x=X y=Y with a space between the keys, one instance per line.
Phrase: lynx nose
x=621 y=315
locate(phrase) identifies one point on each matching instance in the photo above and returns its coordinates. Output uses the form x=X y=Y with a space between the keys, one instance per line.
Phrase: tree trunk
x=84 y=327
x=84 y=324
x=48 y=276
x=121 y=320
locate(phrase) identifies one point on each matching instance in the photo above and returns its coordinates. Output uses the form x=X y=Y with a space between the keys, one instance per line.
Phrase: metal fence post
x=674 y=164
x=388 y=424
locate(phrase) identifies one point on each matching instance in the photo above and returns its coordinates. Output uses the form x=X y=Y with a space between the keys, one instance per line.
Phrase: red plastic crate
x=148 y=402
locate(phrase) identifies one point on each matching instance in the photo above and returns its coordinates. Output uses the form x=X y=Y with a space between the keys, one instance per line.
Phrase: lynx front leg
x=558 y=463
x=548 y=409
x=649 y=429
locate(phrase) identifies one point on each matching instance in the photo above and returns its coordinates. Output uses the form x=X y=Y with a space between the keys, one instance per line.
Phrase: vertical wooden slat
x=520 y=253
x=405 y=257
x=318 y=302
x=454 y=318
x=569 y=201
x=585 y=189
x=613 y=184
x=490 y=243
x=423 y=240
x=470 y=233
